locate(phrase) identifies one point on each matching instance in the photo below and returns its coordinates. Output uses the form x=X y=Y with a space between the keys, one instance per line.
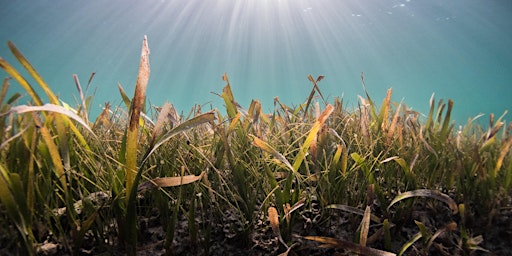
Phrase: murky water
x=459 y=49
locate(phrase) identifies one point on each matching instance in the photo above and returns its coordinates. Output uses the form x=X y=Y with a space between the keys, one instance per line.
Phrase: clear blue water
x=458 y=49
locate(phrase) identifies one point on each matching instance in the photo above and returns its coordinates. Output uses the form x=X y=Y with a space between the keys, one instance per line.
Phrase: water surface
x=458 y=49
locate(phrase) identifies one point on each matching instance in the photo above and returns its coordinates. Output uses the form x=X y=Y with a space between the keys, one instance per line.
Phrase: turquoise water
x=458 y=49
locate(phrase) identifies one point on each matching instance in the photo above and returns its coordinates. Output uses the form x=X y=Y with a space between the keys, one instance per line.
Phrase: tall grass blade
x=229 y=100
x=82 y=98
x=409 y=243
x=312 y=94
x=365 y=226
x=440 y=109
x=54 y=153
x=129 y=149
x=504 y=149
x=3 y=93
x=33 y=73
x=494 y=127
x=387 y=234
x=364 y=117
x=3 y=109
x=135 y=111
x=382 y=118
x=371 y=104
x=337 y=156
x=126 y=99
x=312 y=136
x=393 y=125
x=276 y=188
x=430 y=117
x=18 y=77
x=60 y=124
x=12 y=198
x=342 y=149
x=446 y=128
x=273 y=217
x=507 y=180
x=255 y=114
x=169 y=237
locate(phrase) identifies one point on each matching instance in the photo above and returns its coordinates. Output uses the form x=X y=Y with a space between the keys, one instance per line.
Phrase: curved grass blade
x=51 y=108
x=269 y=149
x=435 y=194
x=61 y=121
x=328 y=242
x=189 y=124
x=353 y=210
x=411 y=177
x=170 y=181
x=35 y=97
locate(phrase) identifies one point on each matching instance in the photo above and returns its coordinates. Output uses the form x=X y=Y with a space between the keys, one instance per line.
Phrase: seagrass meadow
x=312 y=179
